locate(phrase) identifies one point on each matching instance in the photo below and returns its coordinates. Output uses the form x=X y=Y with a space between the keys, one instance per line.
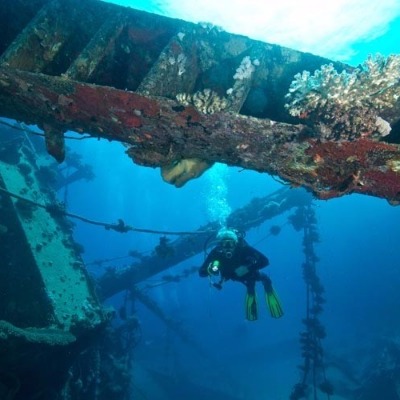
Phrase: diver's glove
x=213 y=268
x=242 y=271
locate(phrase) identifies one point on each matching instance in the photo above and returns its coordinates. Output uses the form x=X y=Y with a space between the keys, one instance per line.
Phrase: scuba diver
x=233 y=258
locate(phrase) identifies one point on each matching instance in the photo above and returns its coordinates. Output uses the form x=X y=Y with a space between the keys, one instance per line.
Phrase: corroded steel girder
x=159 y=132
x=247 y=217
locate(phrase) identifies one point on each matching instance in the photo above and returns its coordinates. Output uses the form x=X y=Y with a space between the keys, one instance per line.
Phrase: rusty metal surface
x=131 y=50
x=160 y=131
x=63 y=296
x=48 y=308
x=106 y=44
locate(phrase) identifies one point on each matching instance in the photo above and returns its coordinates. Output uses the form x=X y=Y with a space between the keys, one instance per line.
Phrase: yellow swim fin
x=251 y=307
x=273 y=303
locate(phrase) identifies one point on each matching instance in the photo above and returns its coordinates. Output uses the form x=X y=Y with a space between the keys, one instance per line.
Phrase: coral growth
x=180 y=63
x=209 y=102
x=206 y=101
x=243 y=78
x=246 y=68
x=347 y=105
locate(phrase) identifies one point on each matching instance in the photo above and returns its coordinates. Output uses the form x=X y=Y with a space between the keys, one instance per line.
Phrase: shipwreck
x=181 y=97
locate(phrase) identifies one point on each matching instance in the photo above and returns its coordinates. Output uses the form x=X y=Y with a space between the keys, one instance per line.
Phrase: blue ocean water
x=358 y=266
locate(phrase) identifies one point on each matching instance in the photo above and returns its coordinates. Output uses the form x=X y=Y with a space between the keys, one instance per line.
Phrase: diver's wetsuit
x=242 y=255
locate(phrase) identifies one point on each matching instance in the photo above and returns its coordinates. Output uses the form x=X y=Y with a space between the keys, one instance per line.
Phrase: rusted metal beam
x=51 y=40
x=252 y=215
x=160 y=132
x=99 y=47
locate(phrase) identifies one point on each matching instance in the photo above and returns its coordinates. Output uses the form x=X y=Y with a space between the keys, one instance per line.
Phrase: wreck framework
x=50 y=312
x=115 y=72
x=166 y=89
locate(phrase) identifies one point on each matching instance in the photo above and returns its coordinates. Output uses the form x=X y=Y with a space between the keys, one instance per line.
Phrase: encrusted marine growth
x=206 y=101
x=347 y=105
x=242 y=83
x=179 y=172
x=246 y=68
x=209 y=102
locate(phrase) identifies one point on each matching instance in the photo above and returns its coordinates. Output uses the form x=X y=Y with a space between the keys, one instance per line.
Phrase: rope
x=121 y=227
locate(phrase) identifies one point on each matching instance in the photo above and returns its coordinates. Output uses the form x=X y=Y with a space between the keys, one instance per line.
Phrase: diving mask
x=228 y=247
x=228 y=240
